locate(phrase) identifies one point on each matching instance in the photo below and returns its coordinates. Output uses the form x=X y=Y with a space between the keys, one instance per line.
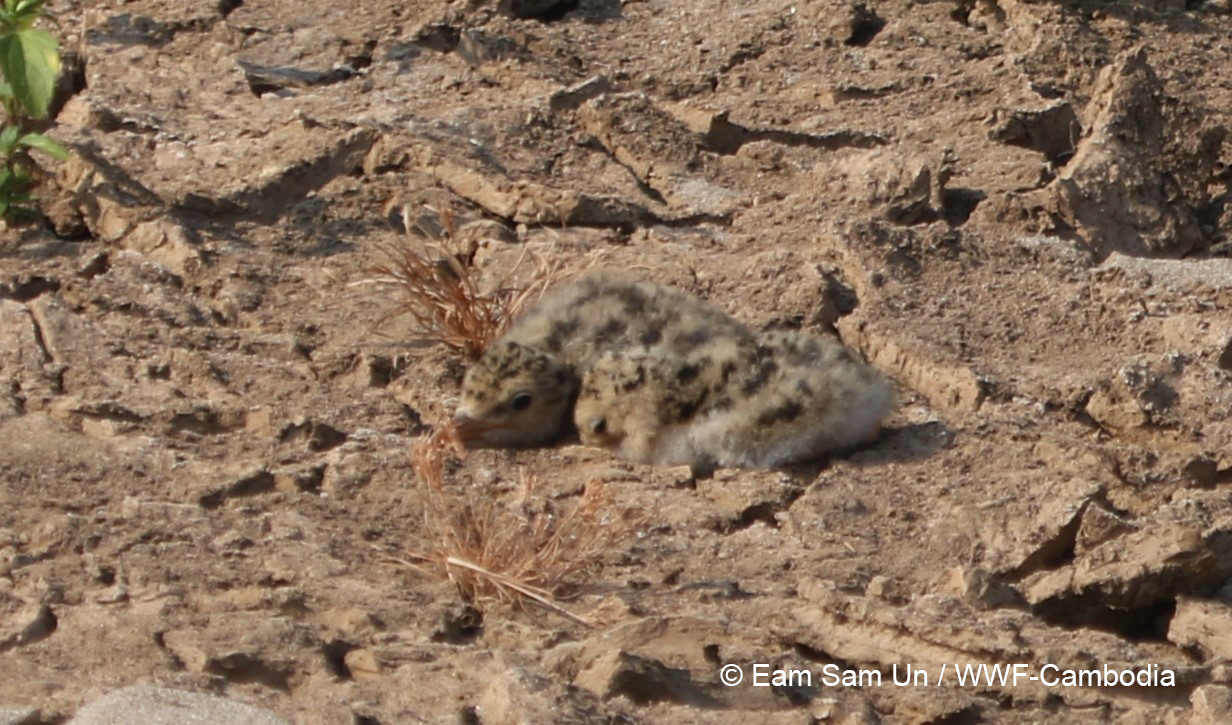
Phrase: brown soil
x=1019 y=210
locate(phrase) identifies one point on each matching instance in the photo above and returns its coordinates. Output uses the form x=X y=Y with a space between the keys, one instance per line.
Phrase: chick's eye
x=598 y=426
x=521 y=401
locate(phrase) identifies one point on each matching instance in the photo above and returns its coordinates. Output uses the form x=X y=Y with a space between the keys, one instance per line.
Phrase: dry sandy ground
x=1018 y=210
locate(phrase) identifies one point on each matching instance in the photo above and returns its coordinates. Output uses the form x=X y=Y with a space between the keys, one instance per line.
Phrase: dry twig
x=488 y=551
x=436 y=285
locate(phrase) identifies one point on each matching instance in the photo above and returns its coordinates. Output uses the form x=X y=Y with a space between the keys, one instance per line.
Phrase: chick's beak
x=466 y=429
x=472 y=433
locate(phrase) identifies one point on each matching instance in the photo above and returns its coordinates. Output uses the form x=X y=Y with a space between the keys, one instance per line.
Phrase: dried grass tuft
x=489 y=551
x=435 y=283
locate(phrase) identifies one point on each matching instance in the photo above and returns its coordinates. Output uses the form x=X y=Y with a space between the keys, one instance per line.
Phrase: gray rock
x=18 y=716
x=162 y=706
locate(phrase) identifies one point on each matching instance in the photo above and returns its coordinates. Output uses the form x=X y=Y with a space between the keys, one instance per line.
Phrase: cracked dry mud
x=1018 y=210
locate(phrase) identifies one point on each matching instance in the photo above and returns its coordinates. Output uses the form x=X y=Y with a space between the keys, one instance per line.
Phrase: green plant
x=30 y=62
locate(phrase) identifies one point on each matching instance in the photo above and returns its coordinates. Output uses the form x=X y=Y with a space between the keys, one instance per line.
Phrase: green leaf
x=31 y=62
x=8 y=139
x=44 y=144
x=8 y=101
x=28 y=6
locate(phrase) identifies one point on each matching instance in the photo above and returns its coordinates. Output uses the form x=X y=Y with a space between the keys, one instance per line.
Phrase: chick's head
x=513 y=396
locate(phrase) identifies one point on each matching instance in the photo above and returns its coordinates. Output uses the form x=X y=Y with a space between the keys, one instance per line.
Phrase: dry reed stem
x=436 y=285
x=490 y=552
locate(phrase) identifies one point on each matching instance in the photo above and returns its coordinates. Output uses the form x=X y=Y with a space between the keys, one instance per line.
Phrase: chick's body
x=663 y=377
x=783 y=398
x=521 y=390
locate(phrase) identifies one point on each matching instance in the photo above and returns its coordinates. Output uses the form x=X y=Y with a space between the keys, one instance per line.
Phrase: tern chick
x=521 y=390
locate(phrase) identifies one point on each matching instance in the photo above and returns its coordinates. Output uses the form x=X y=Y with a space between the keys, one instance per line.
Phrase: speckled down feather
x=664 y=377
x=787 y=398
